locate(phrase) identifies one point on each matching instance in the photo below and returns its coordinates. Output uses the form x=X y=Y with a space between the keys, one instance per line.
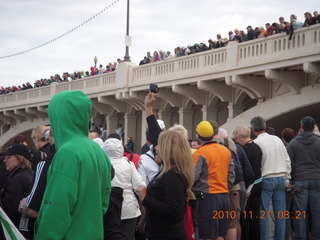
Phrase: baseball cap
x=18 y=149
x=307 y=123
x=249 y=27
x=204 y=129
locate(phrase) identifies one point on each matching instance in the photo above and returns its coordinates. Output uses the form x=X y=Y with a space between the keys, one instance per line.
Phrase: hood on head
x=113 y=148
x=69 y=114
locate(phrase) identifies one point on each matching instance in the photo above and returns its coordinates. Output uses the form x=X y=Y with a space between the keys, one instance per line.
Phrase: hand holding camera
x=150 y=98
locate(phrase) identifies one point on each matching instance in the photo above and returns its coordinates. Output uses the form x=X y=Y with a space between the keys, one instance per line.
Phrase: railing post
x=232 y=55
x=53 y=89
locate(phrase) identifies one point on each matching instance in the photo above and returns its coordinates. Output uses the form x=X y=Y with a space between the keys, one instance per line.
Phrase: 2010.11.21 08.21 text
x=262 y=215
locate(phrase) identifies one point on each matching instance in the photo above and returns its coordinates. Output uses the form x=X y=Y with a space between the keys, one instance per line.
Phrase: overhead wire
x=62 y=35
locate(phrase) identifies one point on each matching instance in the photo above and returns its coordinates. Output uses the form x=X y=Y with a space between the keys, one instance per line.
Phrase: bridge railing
x=94 y=84
x=181 y=67
x=278 y=47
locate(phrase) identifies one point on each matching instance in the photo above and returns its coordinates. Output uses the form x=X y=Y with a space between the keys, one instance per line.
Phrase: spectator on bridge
x=295 y=23
x=143 y=61
x=257 y=31
x=250 y=33
x=163 y=55
x=309 y=20
x=156 y=56
x=150 y=57
x=289 y=29
x=231 y=36
x=276 y=27
x=262 y=32
x=282 y=21
x=211 y=44
x=101 y=69
x=316 y=16
x=242 y=36
x=270 y=30
x=29 y=86
x=169 y=55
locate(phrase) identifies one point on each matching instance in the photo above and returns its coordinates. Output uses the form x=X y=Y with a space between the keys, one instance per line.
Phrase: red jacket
x=135 y=158
x=269 y=31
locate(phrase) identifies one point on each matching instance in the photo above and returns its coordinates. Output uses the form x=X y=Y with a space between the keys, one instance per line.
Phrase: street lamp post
x=127 y=57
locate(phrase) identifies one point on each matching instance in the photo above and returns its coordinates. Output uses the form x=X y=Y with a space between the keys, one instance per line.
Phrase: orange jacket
x=211 y=168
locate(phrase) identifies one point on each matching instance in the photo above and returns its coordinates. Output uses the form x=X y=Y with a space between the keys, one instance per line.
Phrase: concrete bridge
x=272 y=77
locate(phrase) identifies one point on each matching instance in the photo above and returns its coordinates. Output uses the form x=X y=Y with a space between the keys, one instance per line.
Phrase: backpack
x=237 y=164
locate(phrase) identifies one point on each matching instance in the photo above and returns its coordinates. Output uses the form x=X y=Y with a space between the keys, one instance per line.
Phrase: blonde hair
x=242 y=132
x=25 y=163
x=37 y=133
x=174 y=150
x=181 y=129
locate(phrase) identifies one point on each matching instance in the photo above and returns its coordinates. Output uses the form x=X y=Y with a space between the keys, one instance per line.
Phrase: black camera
x=154 y=88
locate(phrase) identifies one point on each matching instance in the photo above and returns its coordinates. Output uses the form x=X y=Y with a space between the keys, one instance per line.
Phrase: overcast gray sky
x=154 y=25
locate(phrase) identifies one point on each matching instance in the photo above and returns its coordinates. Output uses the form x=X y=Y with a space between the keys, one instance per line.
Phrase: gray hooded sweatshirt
x=304 y=152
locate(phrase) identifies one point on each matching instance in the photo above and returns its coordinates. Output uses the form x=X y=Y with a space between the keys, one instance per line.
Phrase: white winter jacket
x=126 y=177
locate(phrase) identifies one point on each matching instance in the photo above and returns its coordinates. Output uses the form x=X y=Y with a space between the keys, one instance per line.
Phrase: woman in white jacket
x=128 y=178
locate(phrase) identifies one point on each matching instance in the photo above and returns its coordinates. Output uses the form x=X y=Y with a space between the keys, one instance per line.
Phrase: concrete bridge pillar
x=112 y=124
x=234 y=110
x=165 y=116
x=130 y=126
x=209 y=113
x=186 y=119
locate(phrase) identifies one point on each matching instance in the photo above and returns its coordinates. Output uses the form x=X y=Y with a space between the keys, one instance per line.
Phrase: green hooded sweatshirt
x=79 y=178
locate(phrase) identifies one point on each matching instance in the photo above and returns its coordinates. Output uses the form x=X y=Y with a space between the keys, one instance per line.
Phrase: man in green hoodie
x=79 y=178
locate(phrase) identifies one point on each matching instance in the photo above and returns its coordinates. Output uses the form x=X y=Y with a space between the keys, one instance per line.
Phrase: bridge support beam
x=192 y=92
x=219 y=89
x=293 y=80
x=37 y=113
x=17 y=117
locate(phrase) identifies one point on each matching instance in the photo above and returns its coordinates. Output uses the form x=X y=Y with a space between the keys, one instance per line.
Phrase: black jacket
x=18 y=185
x=165 y=206
x=39 y=155
x=304 y=153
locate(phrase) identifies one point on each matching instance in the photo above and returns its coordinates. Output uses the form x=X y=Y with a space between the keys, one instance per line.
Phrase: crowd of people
x=66 y=77
x=237 y=35
x=77 y=186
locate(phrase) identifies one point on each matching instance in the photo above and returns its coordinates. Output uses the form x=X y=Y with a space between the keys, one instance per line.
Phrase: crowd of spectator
x=239 y=36
x=236 y=35
x=66 y=77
